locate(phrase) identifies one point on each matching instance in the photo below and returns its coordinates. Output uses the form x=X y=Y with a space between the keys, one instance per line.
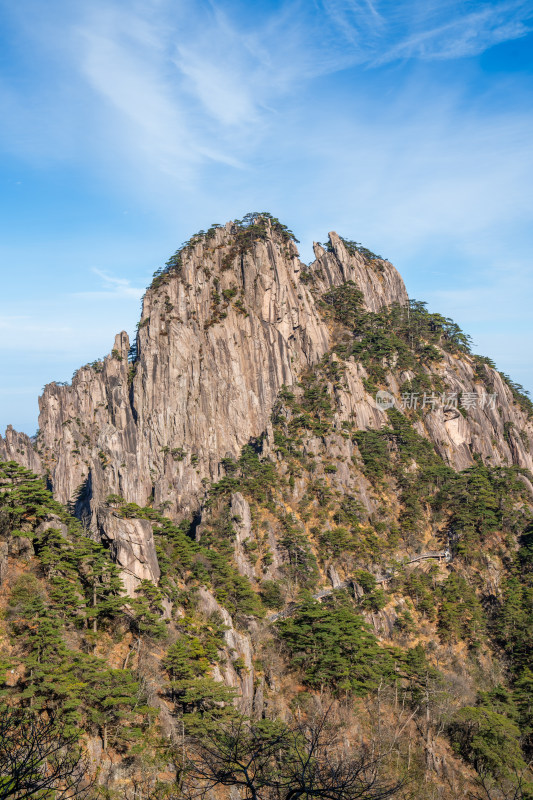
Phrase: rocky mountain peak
x=233 y=317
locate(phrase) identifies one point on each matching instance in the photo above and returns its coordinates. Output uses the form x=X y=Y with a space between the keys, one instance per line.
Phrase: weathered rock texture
x=217 y=339
x=214 y=347
x=378 y=279
x=242 y=520
x=132 y=546
x=18 y=447
x=489 y=426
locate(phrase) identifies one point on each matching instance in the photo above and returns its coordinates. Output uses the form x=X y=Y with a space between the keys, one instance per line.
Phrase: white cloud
x=382 y=32
x=464 y=35
x=359 y=21
x=219 y=88
x=126 y=60
x=161 y=90
x=113 y=288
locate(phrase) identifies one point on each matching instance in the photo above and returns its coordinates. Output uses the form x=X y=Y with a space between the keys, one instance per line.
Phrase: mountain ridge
x=218 y=338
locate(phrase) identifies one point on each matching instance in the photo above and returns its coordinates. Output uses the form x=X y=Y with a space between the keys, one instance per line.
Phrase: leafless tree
x=515 y=786
x=39 y=758
x=273 y=761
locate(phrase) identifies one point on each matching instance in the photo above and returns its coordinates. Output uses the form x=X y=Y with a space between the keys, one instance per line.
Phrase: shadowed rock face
x=217 y=340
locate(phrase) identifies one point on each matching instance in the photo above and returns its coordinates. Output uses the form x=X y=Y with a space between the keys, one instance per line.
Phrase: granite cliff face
x=221 y=331
x=19 y=447
x=216 y=342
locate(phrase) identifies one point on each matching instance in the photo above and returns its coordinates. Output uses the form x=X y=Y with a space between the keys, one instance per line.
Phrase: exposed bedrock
x=217 y=339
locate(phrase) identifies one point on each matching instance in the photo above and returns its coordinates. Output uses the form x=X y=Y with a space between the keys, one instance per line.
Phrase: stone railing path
x=439 y=555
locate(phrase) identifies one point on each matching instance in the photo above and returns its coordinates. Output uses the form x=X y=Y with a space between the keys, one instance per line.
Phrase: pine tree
x=112 y=701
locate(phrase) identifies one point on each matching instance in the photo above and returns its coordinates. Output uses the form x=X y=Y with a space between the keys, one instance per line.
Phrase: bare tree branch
x=274 y=761
x=37 y=755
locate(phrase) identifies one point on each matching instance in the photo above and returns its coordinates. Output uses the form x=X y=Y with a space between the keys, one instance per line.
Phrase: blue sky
x=127 y=126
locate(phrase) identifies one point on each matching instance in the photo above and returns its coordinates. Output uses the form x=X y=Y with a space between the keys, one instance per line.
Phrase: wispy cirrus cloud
x=112 y=288
x=127 y=65
x=464 y=34
x=170 y=87
x=384 y=32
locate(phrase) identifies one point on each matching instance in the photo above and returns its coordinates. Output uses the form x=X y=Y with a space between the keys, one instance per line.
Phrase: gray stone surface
x=15 y=446
x=203 y=384
x=132 y=546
